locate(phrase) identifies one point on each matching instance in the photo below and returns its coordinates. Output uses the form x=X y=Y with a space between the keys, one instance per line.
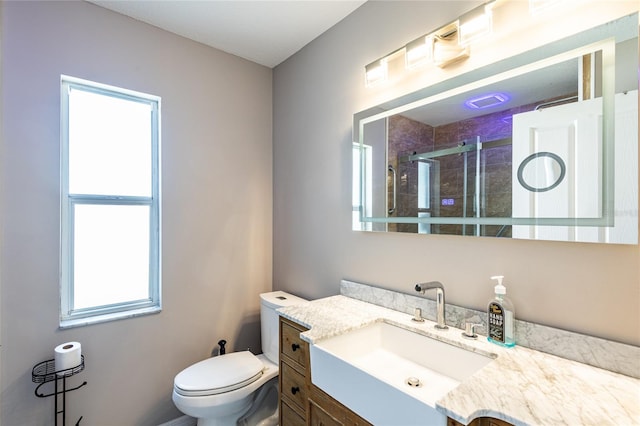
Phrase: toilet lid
x=219 y=374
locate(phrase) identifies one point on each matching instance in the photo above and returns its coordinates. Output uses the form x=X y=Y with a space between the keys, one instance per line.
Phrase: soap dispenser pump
x=500 y=316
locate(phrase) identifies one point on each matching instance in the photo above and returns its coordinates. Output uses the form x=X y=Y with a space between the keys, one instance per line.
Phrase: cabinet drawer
x=291 y=344
x=294 y=385
x=290 y=417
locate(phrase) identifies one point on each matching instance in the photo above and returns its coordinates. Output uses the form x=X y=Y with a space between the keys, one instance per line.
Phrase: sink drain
x=414 y=382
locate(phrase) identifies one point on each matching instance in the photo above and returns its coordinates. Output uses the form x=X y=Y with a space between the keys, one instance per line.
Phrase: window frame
x=361 y=197
x=70 y=317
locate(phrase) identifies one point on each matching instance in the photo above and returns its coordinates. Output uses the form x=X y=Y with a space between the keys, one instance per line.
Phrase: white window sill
x=80 y=322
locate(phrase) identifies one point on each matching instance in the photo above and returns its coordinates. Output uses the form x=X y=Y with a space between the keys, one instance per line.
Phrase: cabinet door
x=481 y=421
x=489 y=421
x=319 y=417
x=325 y=410
x=290 y=417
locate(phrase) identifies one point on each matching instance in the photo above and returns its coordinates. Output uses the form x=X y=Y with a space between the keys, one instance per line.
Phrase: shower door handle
x=393 y=186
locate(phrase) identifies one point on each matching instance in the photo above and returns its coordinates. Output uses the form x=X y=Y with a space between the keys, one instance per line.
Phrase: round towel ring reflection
x=533 y=161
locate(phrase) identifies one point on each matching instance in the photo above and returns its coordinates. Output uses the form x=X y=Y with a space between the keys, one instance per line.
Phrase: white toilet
x=239 y=387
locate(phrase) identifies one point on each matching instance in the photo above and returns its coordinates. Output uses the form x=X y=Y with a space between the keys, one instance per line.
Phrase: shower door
x=578 y=192
x=557 y=169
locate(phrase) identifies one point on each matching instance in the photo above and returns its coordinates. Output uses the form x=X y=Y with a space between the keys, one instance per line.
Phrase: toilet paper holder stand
x=45 y=372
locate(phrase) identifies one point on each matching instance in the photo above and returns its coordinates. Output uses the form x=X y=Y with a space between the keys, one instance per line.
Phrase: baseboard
x=181 y=421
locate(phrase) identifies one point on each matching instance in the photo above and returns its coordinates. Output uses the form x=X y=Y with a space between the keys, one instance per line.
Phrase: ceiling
x=266 y=32
x=528 y=88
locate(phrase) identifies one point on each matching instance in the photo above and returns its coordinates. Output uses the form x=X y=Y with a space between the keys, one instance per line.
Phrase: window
x=110 y=221
x=361 y=200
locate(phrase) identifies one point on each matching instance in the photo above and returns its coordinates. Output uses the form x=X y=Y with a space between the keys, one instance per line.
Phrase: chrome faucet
x=437 y=285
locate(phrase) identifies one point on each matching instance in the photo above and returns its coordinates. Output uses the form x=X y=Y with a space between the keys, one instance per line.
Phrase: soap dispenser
x=500 y=316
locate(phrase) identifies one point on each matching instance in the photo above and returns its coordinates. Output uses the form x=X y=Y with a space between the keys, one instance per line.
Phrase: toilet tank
x=269 y=320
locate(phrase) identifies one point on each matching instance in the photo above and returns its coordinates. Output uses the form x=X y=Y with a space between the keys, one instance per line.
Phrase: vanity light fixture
x=419 y=52
x=441 y=47
x=476 y=23
x=447 y=47
x=376 y=72
x=538 y=6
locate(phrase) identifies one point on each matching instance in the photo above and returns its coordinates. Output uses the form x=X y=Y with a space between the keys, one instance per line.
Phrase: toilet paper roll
x=68 y=355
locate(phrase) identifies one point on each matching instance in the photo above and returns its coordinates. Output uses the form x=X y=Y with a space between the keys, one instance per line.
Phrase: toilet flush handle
x=221 y=343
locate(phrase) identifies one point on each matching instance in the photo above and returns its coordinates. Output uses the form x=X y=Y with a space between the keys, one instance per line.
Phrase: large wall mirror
x=542 y=145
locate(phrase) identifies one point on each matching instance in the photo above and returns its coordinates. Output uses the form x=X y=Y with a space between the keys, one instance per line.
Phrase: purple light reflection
x=486 y=101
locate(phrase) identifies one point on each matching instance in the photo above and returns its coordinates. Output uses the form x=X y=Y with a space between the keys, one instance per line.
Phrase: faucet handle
x=469 y=330
x=417 y=315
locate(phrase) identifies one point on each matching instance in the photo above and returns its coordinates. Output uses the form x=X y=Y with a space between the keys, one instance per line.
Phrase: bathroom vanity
x=518 y=386
x=301 y=402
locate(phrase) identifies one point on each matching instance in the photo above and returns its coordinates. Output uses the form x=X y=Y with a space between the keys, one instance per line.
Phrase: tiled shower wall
x=407 y=137
x=495 y=169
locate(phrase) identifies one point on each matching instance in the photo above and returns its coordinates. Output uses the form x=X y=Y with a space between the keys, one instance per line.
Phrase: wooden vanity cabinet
x=302 y=403
x=481 y=421
x=294 y=378
x=326 y=411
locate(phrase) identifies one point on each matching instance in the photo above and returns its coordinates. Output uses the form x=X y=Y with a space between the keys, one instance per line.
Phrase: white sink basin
x=368 y=369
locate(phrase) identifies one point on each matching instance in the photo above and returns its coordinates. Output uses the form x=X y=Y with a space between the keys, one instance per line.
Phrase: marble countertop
x=521 y=386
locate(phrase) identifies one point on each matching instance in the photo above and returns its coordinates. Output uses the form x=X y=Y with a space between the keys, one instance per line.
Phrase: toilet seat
x=219 y=374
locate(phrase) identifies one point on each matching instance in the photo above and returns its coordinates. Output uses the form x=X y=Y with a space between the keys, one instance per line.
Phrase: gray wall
x=217 y=209
x=217 y=206
x=588 y=288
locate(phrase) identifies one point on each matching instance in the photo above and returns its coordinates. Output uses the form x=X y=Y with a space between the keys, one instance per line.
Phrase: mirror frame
x=602 y=37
